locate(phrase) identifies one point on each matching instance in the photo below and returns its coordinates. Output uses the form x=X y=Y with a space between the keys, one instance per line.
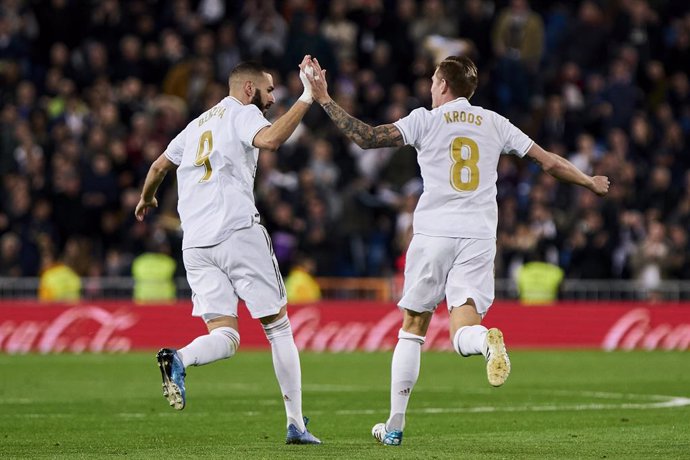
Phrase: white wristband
x=306 y=94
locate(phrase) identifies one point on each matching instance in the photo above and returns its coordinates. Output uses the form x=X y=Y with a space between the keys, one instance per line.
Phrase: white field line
x=16 y=401
x=634 y=402
x=672 y=402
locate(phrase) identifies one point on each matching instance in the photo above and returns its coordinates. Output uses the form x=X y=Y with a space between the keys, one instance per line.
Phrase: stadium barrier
x=382 y=289
x=338 y=326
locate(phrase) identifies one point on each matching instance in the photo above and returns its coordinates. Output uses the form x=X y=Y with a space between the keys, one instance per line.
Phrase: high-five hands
x=317 y=80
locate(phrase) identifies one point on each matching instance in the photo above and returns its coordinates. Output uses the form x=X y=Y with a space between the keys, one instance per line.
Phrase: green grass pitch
x=574 y=404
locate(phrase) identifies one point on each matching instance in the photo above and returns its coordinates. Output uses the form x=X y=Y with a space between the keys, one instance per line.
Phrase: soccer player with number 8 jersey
x=452 y=251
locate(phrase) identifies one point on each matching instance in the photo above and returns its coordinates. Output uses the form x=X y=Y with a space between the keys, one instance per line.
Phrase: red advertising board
x=118 y=326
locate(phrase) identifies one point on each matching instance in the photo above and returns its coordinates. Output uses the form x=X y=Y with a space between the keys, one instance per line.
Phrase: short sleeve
x=250 y=121
x=176 y=148
x=514 y=140
x=412 y=126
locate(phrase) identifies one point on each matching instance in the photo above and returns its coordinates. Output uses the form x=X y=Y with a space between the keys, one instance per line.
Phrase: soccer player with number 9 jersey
x=227 y=253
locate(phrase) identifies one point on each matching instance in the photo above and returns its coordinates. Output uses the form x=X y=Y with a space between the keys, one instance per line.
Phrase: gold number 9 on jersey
x=471 y=180
x=203 y=153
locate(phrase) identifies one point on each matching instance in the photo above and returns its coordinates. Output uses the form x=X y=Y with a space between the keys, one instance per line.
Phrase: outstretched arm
x=272 y=137
x=154 y=177
x=362 y=134
x=564 y=170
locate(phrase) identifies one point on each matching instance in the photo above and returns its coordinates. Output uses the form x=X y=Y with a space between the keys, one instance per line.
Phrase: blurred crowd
x=92 y=92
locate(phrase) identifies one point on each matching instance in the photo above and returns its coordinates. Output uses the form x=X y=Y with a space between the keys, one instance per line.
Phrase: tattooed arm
x=362 y=134
x=564 y=170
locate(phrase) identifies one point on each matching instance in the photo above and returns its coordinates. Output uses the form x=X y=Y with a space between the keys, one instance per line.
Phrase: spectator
x=586 y=40
x=130 y=59
x=637 y=25
x=306 y=38
x=58 y=279
x=265 y=31
x=108 y=23
x=590 y=248
x=433 y=21
x=678 y=54
x=397 y=26
x=650 y=260
x=153 y=273
x=285 y=232
x=321 y=163
x=538 y=281
x=679 y=252
x=518 y=43
x=59 y=283
x=586 y=153
x=227 y=50
x=321 y=238
x=340 y=31
x=658 y=194
x=475 y=25
x=10 y=250
x=621 y=95
x=300 y=284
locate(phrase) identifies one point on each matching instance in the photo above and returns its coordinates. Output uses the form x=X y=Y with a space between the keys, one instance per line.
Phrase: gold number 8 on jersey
x=460 y=164
x=203 y=153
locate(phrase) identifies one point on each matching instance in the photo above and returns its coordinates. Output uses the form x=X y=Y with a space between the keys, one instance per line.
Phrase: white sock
x=220 y=343
x=287 y=368
x=404 y=373
x=470 y=340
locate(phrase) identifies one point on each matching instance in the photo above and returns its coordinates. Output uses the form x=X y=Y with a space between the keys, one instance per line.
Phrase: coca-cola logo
x=635 y=330
x=381 y=334
x=78 y=329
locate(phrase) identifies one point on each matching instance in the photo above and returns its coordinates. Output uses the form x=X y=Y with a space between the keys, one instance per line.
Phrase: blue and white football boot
x=173 y=374
x=295 y=436
x=387 y=438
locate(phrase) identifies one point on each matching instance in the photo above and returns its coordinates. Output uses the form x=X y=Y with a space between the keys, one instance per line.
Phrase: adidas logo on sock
x=405 y=392
x=286 y=398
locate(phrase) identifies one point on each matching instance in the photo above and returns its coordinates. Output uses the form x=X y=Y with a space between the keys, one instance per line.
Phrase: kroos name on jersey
x=462 y=117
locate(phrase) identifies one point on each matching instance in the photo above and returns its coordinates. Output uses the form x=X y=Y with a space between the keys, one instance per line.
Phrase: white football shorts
x=462 y=268
x=243 y=266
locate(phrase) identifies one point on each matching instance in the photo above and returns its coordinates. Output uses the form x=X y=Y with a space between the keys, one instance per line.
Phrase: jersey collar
x=459 y=99
x=234 y=99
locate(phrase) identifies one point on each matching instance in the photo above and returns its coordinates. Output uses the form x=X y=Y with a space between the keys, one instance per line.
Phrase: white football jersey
x=215 y=175
x=458 y=148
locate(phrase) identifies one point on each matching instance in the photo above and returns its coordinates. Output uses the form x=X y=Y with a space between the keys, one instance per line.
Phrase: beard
x=256 y=100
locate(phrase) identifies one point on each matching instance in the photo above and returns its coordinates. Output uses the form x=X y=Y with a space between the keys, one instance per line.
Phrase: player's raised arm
x=154 y=177
x=564 y=170
x=362 y=134
x=272 y=137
